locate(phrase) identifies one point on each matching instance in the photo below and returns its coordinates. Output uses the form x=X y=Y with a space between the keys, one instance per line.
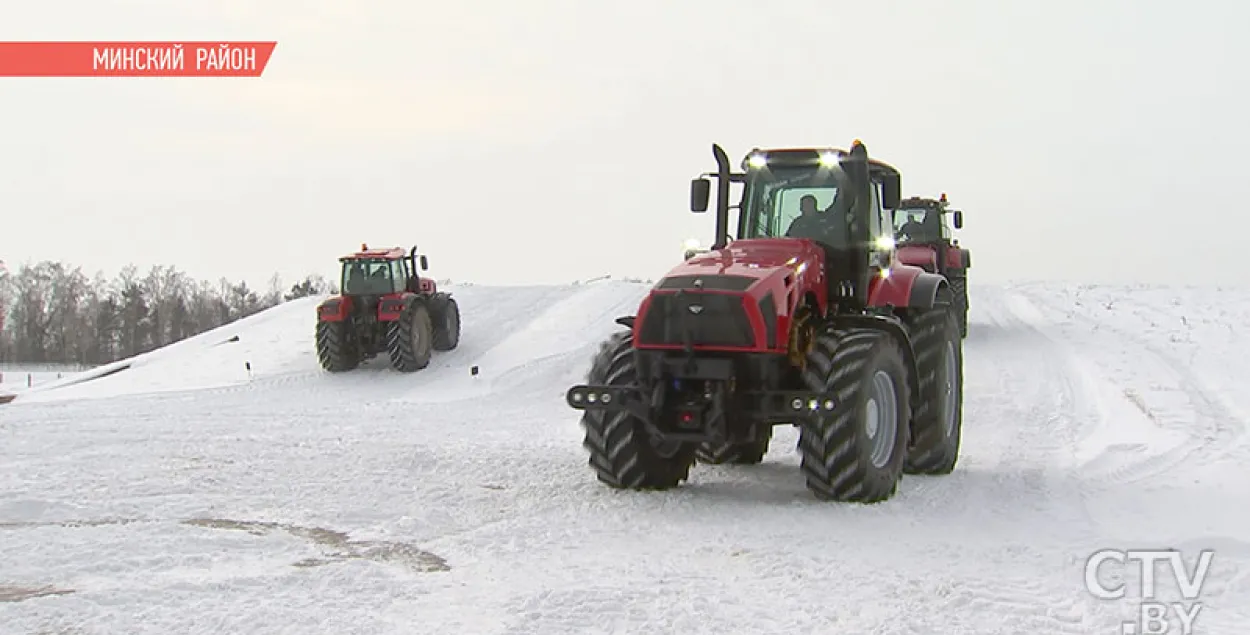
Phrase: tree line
x=54 y=313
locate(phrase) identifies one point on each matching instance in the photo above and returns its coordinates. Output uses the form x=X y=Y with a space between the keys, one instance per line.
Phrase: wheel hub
x=948 y=385
x=881 y=418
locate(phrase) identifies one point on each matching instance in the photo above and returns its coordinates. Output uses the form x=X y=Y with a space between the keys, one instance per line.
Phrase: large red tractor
x=925 y=239
x=806 y=318
x=385 y=305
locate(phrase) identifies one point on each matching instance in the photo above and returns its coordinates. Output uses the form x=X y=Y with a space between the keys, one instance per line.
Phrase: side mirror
x=891 y=191
x=700 y=192
x=425 y=264
x=958 y=219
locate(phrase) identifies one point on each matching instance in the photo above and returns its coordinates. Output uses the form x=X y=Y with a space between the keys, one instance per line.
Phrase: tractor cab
x=839 y=199
x=379 y=272
x=926 y=221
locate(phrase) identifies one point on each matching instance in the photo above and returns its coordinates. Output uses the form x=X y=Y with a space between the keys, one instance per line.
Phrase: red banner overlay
x=134 y=59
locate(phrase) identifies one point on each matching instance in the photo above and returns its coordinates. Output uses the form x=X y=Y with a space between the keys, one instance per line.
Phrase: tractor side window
x=946 y=227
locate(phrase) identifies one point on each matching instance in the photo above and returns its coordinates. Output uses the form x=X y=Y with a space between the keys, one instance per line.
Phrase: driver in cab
x=816 y=224
x=808 y=223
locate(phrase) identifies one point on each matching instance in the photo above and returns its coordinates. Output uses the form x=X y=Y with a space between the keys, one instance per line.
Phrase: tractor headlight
x=757 y=160
x=885 y=242
x=829 y=158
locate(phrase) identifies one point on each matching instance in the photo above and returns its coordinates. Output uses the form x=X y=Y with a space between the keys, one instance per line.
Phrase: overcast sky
x=545 y=141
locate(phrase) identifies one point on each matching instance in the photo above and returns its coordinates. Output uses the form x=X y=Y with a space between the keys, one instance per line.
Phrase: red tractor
x=385 y=306
x=925 y=240
x=807 y=318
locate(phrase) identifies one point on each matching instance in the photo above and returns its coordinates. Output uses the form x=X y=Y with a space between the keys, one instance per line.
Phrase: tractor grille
x=722 y=321
x=707 y=283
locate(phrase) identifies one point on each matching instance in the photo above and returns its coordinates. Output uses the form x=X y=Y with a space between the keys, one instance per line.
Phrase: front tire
x=409 y=339
x=938 y=423
x=622 y=451
x=336 y=351
x=855 y=453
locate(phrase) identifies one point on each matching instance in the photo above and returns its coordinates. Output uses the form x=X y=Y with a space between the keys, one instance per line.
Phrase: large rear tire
x=748 y=453
x=336 y=351
x=447 y=323
x=409 y=340
x=855 y=453
x=959 y=293
x=622 y=452
x=938 y=422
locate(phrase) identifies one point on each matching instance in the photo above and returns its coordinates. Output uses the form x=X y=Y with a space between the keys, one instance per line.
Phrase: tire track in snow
x=1210 y=431
x=1132 y=489
x=1023 y=411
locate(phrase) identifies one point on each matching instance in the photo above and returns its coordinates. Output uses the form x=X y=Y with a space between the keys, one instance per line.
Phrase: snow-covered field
x=17 y=378
x=183 y=495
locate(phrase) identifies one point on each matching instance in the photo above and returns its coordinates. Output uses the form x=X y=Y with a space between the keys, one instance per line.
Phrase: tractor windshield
x=797 y=202
x=369 y=277
x=918 y=225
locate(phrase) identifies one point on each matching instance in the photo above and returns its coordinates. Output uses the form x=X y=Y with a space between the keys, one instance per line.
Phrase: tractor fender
x=894 y=328
x=925 y=291
x=439 y=302
x=334 y=309
x=392 y=306
x=956 y=258
x=906 y=287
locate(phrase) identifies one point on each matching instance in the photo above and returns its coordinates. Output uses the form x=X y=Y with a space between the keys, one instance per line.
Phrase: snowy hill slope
x=196 y=501
x=278 y=345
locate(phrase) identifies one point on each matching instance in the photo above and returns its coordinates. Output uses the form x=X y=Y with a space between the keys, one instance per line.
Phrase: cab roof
x=804 y=156
x=388 y=253
x=920 y=202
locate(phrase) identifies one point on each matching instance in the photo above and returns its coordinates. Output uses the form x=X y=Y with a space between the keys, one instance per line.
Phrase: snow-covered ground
x=182 y=495
x=19 y=377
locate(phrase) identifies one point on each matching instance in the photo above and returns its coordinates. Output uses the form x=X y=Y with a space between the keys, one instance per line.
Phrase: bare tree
x=52 y=313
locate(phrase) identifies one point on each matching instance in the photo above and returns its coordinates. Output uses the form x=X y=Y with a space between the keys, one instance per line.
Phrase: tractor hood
x=755 y=259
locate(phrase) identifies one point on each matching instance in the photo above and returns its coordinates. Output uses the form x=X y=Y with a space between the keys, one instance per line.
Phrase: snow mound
x=274 y=341
x=503 y=329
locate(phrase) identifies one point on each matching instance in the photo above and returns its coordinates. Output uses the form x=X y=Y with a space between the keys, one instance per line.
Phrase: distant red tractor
x=385 y=306
x=807 y=318
x=925 y=240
